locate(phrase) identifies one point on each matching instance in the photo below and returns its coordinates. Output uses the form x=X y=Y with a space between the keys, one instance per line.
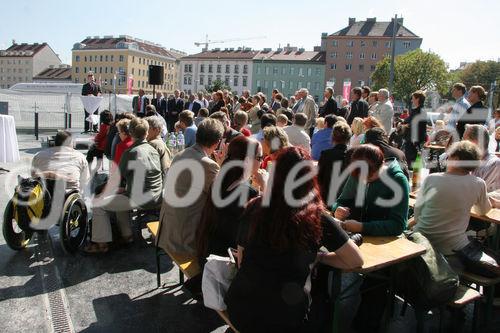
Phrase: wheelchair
x=73 y=221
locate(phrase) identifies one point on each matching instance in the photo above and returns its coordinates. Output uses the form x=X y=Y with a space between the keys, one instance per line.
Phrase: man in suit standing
x=182 y=218
x=160 y=104
x=359 y=108
x=90 y=89
x=189 y=105
x=139 y=104
x=330 y=106
x=307 y=106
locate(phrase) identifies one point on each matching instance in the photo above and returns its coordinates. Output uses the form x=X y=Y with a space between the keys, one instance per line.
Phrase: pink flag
x=346 y=91
x=130 y=84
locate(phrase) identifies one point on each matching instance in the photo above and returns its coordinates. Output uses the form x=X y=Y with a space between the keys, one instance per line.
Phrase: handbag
x=218 y=274
x=479 y=259
x=427 y=281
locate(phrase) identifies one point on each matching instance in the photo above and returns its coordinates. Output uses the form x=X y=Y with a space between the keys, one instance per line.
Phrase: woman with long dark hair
x=218 y=101
x=278 y=248
x=219 y=224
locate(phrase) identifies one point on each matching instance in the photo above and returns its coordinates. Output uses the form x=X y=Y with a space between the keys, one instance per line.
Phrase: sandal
x=95 y=248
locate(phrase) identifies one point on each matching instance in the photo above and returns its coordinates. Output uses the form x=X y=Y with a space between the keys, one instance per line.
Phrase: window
x=362 y=55
x=185 y=80
x=275 y=70
x=202 y=68
x=335 y=43
x=245 y=69
x=308 y=85
x=217 y=77
x=299 y=85
x=266 y=85
x=361 y=68
x=350 y=43
x=245 y=79
x=316 y=85
x=85 y=69
x=258 y=84
x=374 y=43
x=133 y=71
x=318 y=71
x=258 y=70
x=202 y=79
x=333 y=66
x=133 y=59
x=283 y=71
x=292 y=70
x=348 y=67
x=374 y=56
x=219 y=68
x=372 y=68
x=290 y=85
x=333 y=55
x=236 y=69
x=100 y=58
x=122 y=58
x=112 y=56
x=210 y=69
x=388 y=55
x=235 y=81
x=275 y=85
x=406 y=45
x=388 y=44
x=190 y=80
x=309 y=71
x=185 y=68
x=301 y=72
x=348 y=55
x=228 y=69
x=190 y=68
x=226 y=80
x=77 y=58
x=267 y=70
x=85 y=58
x=362 y=43
x=209 y=80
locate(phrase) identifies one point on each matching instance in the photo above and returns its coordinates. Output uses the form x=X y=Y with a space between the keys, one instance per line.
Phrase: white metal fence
x=52 y=107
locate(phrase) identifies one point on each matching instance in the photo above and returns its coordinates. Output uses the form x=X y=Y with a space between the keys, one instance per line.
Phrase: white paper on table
x=91 y=103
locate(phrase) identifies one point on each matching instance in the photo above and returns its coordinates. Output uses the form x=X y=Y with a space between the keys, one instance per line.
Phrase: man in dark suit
x=330 y=106
x=341 y=135
x=90 y=89
x=160 y=104
x=359 y=107
x=174 y=107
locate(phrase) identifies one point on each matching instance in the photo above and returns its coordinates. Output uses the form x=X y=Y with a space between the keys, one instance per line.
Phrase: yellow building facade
x=116 y=60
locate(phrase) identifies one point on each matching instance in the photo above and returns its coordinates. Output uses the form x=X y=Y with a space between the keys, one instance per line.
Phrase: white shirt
x=442 y=210
x=489 y=171
x=384 y=112
x=64 y=161
x=298 y=137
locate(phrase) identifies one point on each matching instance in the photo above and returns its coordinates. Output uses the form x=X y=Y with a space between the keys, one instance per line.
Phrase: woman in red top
x=125 y=141
x=100 y=140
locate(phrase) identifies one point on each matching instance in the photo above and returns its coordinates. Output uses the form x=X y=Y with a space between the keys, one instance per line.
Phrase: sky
x=456 y=30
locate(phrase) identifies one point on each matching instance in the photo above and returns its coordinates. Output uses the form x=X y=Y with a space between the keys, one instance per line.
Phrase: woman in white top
x=442 y=210
x=358 y=132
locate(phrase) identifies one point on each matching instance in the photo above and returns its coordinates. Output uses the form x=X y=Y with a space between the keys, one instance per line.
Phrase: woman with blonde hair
x=358 y=132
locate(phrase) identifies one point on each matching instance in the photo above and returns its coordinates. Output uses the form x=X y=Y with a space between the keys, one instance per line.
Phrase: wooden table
x=378 y=253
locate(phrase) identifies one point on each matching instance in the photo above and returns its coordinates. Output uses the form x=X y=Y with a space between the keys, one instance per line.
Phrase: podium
x=91 y=104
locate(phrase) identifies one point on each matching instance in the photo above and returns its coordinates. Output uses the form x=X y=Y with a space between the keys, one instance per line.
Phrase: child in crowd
x=100 y=140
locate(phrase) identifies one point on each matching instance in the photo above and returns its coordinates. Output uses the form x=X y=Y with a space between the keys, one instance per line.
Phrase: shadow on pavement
x=166 y=311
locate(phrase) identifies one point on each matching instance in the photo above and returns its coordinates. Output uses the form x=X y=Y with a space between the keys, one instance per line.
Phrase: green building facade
x=289 y=70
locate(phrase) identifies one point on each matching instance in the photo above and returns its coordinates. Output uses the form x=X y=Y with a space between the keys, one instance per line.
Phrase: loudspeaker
x=155 y=75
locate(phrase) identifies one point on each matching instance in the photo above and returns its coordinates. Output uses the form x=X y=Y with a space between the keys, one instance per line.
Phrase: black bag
x=479 y=259
x=31 y=200
x=427 y=281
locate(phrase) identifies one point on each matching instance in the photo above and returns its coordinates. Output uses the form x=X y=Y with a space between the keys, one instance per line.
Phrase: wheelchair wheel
x=73 y=227
x=14 y=236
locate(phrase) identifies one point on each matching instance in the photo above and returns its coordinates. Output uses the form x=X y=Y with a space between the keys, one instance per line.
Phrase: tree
x=415 y=70
x=217 y=85
x=482 y=73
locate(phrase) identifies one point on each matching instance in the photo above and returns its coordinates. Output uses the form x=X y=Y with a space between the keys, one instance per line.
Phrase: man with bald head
x=139 y=104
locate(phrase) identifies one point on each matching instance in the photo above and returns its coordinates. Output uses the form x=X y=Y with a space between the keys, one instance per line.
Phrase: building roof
x=23 y=50
x=228 y=54
x=63 y=73
x=122 y=42
x=372 y=28
x=291 y=55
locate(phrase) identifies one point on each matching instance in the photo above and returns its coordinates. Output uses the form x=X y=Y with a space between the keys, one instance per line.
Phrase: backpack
x=31 y=201
x=427 y=281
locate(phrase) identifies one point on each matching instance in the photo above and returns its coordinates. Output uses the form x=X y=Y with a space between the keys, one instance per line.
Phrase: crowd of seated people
x=227 y=189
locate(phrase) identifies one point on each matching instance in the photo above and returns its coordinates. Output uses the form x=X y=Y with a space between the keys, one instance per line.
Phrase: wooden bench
x=188 y=266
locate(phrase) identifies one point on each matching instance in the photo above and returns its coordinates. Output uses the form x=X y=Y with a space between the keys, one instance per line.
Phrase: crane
x=208 y=42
